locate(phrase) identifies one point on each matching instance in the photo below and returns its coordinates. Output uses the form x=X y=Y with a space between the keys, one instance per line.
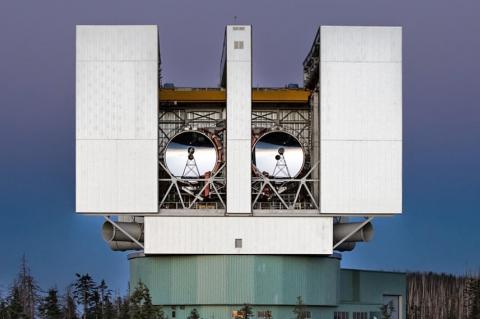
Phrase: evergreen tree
x=27 y=289
x=244 y=312
x=387 y=310
x=108 y=309
x=300 y=310
x=141 y=306
x=95 y=310
x=103 y=297
x=194 y=314
x=123 y=308
x=247 y=311
x=3 y=308
x=49 y=307
x=15 y=307
x=84 y=293
x=69 y=308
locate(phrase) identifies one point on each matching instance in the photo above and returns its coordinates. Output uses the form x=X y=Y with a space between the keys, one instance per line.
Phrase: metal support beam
x=107 y=218
x=367 y=220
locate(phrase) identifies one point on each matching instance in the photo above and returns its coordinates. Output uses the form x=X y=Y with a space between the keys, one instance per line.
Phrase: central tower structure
x=235 y=194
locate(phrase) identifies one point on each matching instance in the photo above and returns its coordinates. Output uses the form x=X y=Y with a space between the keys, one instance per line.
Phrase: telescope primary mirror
x=190 y=154
x=279 y=154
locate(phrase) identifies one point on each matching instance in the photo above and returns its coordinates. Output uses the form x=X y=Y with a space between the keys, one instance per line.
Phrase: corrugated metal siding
x=368 y=287
x=361 y=120
x=229 y=279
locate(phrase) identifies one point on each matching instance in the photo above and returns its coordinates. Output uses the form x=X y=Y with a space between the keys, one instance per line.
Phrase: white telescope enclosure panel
x=239 y=235
x=239 y=110
x=361 y=120
x=116 y=119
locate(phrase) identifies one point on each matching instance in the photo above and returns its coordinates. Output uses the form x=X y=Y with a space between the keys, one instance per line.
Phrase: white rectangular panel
x=239 y=112
x=116 y=100
x=361 y=176
x=361 y=101
x=259 y=235
x=239 y=101
x=361 y=44
x=116 y=119
x=117 y=43
x=116 y=176
x=239 y=176
x=361 y=120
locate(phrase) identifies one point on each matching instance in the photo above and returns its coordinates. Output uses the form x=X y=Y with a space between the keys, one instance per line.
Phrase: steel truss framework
x=278 y=194
x=175 y=192
x=284 y=194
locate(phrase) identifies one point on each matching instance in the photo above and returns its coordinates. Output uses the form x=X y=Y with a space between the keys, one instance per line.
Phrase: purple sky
x=439 y=228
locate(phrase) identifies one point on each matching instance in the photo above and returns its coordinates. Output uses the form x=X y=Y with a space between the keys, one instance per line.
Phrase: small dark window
x=238 y=45
x=340 y=315
x=360 y=315
x=238 y=243
x=173 y=314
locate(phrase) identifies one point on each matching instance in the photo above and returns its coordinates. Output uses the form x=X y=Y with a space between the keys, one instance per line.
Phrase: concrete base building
x=238 y=195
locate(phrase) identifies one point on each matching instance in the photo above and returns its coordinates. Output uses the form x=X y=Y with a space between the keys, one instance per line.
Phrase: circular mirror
x=279 y=154
x=190 y=154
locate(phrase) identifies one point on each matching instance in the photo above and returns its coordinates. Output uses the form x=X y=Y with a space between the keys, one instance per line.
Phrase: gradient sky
x=439 y=229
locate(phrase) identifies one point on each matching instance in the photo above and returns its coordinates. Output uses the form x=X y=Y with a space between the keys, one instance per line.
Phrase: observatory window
x=238 y=45
x=238 y=28
x=238 y=243
x=360 y=315
x=340 y=315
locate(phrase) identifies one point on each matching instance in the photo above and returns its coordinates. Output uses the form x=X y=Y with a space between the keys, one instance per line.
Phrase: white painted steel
x=361 y=120
x=260 y=235
x=117 y=43
x=116 y=119
x=239 y=110
x=116 y=176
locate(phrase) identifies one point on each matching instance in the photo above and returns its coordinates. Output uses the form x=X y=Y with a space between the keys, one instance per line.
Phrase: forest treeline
x=429 y=296
x=443 y=296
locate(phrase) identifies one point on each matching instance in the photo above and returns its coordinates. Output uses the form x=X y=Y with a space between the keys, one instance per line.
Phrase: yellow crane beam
x=219 y=96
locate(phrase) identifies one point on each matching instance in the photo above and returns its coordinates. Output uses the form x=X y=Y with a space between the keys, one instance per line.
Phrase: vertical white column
x=239 y=110
x=117 y=119
x=361 y=119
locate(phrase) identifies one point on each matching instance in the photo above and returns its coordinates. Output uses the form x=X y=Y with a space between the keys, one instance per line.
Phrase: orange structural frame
x=219 y=96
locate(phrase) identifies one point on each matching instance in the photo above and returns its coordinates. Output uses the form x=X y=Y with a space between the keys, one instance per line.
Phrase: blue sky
x=439 y=228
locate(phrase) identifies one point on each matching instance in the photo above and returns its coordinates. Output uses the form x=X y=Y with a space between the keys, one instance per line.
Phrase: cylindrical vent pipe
x=117 y=240
x=123 y=245
x=340 y=230
x=346 y=246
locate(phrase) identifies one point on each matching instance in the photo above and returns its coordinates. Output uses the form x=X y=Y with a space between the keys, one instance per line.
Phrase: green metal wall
x=237 y=279
x=218 y=284
x=363 y=290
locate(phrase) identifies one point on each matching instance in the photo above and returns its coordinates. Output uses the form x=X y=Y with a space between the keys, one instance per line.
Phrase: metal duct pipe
x=340 y=230
x=111 y=233
x=346 y=246
x=123 y=245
